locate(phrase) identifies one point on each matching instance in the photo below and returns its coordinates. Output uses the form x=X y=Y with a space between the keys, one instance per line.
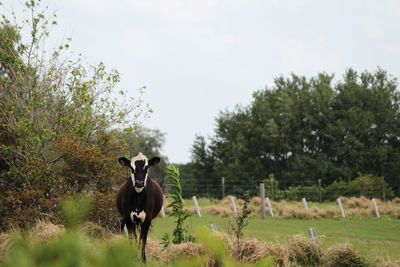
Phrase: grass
x=374 y=238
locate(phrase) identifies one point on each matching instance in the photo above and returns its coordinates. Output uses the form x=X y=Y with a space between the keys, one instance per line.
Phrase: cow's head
x=139 y=166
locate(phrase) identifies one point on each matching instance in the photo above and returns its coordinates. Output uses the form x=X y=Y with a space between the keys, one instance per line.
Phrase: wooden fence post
x=313 y=235
x=262 y=195
x=233 y=206
x=339 y=201
x=304 y=203
x=213 y=227
x=269 y=207
x=375 y=207
x=196 y=205
x=223 y=187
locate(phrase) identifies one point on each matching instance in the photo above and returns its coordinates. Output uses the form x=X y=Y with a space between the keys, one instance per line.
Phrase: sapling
x=180 y=233
x=241 y=221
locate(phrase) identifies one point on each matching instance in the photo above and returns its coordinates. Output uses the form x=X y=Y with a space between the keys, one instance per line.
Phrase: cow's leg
x=143 y=237
x=129 y=228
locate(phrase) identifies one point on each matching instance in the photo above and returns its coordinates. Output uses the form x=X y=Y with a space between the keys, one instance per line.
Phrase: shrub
x=180 y=233
x=343 y=256
x=103 y=211
x=304 y=251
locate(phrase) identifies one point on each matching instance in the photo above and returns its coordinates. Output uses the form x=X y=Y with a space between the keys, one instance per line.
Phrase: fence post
x=313 y=235
x=262 y=195
x=339 y=201
x=196 y=205
x=320 y=190
x=304 y=203
x=269 y=207
x=375 y=207
x=223 y=187
x=213 y=227
x=233 y=206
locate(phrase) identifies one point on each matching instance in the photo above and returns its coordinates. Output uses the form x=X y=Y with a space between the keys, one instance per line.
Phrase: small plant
x=241 y=221
x=180 y=233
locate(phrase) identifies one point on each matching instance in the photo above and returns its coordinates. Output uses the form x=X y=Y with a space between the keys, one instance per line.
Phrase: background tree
x=302 y=130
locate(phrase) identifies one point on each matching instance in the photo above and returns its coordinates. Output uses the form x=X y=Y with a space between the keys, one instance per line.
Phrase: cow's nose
x=139 y=183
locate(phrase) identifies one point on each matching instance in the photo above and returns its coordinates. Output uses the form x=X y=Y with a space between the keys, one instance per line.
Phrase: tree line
x=301 y=130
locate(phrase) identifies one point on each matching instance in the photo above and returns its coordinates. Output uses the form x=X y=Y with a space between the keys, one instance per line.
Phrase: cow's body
x=150 y=200
x=140 y=199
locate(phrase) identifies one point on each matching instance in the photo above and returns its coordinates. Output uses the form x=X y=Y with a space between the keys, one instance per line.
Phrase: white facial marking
x=139 y=189
x=139 y=156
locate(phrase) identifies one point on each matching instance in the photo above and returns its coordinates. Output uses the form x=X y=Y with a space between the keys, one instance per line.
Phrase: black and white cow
x=140 y=198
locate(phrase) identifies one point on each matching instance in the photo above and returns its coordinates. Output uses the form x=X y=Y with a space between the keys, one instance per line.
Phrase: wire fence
x=208 y=188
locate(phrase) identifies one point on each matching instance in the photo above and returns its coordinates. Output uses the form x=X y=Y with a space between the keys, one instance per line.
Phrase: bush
x=304 y=251
x=103 y=211
x=343 y=256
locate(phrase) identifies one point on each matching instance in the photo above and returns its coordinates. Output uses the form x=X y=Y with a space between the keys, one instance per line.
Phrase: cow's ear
x=124 y=161
x=154 y=161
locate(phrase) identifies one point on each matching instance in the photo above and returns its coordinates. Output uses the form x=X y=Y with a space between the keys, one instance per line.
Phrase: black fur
x=149 y=200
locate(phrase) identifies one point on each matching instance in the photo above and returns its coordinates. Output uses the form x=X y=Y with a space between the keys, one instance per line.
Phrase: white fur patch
x=141 y=216
x=138 y=189
x=139 y=156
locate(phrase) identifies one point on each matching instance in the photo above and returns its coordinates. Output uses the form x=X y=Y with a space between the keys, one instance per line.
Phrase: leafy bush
x=61 y=122
x=365 y=185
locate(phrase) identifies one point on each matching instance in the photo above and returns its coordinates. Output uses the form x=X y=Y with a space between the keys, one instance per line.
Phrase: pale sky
x=199 y=57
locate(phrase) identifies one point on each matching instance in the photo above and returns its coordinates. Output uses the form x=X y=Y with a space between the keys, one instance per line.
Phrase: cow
x=139 y=200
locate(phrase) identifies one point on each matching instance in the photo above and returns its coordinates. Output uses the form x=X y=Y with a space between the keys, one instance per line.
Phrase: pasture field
x=373 y=238
x=361 y=238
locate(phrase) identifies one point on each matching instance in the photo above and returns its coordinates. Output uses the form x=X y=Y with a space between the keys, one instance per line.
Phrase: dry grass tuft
x=343 y=255
x=164 y=255
x=396 y=200
x=389 y=264
x=303 y=251
x=255 y=201
x=188 y=249
x=356 y=202
x=46 y=230
x=155 y=250
x=94 y=230
x=217 y=210
x=5 y=242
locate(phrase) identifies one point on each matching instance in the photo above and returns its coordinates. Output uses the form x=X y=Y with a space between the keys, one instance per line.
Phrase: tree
x=58 y=121
x=302 y=130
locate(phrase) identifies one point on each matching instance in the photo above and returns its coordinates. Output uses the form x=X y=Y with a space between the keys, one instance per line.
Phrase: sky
x=200 y=57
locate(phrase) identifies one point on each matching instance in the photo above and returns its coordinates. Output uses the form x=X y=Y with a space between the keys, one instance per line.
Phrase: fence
x=318 y=192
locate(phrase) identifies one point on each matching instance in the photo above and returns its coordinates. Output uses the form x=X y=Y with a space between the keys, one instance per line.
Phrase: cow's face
x=139 y=166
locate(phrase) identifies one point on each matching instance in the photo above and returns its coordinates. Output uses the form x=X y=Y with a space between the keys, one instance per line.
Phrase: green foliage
x=369 y=186
x=302 y=130
x=72 y=247
x=75 y=211
x=63 y=123
x=180 y=233
x=241 y=221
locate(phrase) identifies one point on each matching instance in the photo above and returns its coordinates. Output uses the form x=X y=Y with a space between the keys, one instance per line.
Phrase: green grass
x=374 y=238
